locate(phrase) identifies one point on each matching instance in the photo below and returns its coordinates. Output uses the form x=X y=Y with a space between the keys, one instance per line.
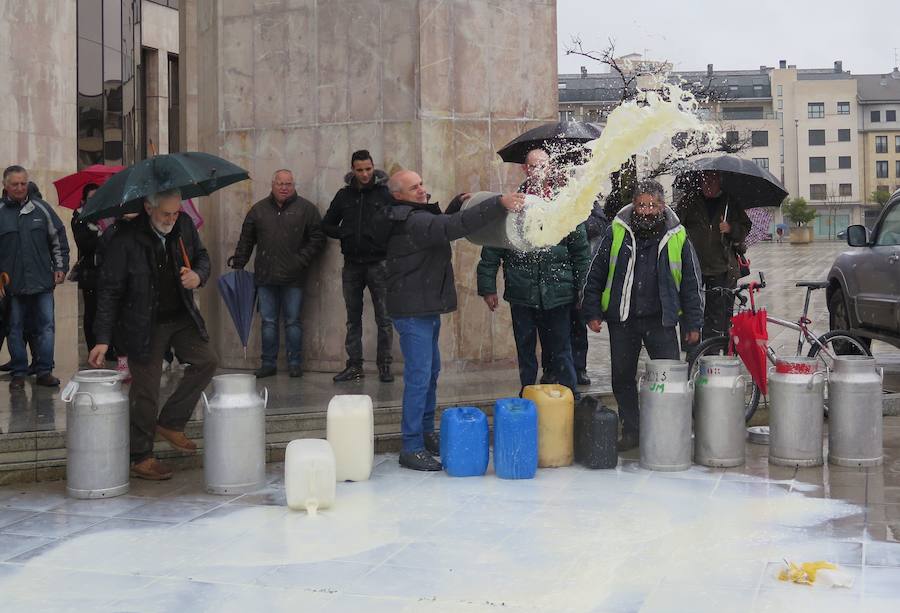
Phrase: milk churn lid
x=100 y=375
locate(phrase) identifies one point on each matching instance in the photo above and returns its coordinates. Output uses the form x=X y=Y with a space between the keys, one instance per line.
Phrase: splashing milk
x=630 y=129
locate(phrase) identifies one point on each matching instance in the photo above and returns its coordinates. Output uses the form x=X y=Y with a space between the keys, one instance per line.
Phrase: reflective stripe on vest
x=674 y=247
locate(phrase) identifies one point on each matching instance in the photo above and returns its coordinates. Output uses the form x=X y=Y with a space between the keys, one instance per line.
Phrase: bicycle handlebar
x=737 y=292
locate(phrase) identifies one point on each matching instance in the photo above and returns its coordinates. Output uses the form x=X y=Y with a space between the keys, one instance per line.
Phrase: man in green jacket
x=541 y=287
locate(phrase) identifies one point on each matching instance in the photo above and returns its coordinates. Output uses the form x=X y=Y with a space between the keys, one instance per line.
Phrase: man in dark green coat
x=541 y=287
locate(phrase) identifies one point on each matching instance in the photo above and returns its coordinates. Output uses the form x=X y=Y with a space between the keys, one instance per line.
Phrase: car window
x=889 y=234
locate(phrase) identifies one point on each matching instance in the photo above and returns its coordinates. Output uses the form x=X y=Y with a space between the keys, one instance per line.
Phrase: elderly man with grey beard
x=145 y=304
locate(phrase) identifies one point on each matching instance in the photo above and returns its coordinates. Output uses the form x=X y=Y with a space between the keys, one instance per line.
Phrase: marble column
x=432 y=85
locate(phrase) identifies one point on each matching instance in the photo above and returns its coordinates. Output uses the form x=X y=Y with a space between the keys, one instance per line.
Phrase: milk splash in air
x=632 y=128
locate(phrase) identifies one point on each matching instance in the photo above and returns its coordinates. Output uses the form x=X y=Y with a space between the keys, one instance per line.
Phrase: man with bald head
x=421 y=288
x=287 y=231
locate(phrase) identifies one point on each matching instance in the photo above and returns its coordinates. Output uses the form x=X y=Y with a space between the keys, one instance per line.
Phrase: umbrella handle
x=184 y=255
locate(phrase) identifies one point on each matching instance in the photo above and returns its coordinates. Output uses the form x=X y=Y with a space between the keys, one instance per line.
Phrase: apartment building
x=879 y=130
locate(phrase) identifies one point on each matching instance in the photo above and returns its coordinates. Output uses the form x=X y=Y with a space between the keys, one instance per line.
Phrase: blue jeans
x=553 y=326
x=280 y=301
x=36 y=309
x=421 y=367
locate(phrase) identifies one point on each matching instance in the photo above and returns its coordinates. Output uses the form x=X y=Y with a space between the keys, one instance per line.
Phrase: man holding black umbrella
x=146 y=303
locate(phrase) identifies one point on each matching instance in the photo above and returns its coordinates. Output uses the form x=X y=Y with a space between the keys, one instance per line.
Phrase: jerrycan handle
x=312 y=501
x=265 y=397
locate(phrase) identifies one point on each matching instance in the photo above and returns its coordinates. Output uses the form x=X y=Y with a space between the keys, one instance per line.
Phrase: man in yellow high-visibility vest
x=644 y=280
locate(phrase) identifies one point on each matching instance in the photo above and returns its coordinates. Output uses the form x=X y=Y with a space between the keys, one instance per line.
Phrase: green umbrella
x=194 y=173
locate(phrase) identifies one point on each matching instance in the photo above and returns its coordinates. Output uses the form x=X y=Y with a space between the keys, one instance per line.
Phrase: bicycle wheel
x=838 y=342
x=719 y=346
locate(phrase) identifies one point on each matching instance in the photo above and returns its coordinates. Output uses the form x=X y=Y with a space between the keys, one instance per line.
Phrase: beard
x=648 y=226
x=162 y=228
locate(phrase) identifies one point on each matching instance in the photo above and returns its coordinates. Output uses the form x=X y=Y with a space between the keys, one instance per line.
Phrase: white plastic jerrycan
x=351 y=432
x=309 y=481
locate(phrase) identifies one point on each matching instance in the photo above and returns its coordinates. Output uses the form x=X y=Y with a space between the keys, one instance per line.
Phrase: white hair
x=153 y=200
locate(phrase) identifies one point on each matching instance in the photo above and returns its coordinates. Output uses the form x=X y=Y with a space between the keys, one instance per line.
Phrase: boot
x=583 y=378
x=433 y=443
x=384 y=373
x=265 y=371
x=351 y=373
x=629 y=441
x=419 y=460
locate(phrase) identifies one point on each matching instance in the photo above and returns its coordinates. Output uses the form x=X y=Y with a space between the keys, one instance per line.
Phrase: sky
x=864 y=34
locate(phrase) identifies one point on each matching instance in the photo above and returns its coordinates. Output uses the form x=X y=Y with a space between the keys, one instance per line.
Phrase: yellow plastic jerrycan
x=556 y=423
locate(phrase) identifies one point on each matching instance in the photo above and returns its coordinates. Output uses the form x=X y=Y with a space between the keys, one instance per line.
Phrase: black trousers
x=355 y=278
x=552 y=326
x=625 y=340
x=579 y=334
x=143 y=397
x=719 y=307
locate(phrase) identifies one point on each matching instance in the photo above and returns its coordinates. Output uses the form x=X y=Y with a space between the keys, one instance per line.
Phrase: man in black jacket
x=287 y=231
x=421 y=288
x=146 y=304
x=350 y=219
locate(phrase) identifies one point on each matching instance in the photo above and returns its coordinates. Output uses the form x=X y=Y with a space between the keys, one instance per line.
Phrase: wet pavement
x=571 y=539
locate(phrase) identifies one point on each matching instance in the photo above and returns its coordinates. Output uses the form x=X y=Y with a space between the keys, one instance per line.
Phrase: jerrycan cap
x=554 y=393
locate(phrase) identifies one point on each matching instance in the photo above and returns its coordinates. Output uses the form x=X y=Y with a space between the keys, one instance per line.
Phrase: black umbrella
x=239 y=294
x=747 y=184
x=555 y=137
x=194 y=173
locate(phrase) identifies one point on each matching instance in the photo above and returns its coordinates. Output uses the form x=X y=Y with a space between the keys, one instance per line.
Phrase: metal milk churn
x=508 y=232
x=796 y=412
x=665 y=396
x=97 y=435
x=855 y=412
x=234 y=435
x=719 y=429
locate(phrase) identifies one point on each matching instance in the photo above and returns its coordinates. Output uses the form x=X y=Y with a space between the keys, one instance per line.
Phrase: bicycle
x=826 y=347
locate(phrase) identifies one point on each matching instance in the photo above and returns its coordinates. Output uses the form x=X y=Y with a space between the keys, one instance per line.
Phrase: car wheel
x=838 y=317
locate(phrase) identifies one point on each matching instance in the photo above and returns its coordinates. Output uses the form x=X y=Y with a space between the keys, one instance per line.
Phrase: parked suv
x=864 y=283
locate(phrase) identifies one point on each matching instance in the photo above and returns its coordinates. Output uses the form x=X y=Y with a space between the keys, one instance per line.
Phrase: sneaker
x=17 y=383
x=419 y=460
x=47 y=380
x=629 y=441
x=265 y=371
x=384 y=373
x=176 y=439
x=151 y=469
x=583 y=378
x=295 y=371
x=351 y=373
x=433 y=443
x=548 y=378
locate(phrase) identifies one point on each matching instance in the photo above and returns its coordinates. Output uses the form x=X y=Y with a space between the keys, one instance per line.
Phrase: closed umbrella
x=559 y=138
x=749 y=337
x=238 y=292
x=193 y=173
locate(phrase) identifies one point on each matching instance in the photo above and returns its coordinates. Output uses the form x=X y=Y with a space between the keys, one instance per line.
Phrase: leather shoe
x=47 y=380
x=419 y=460
x=629 y=441
x=433 y=443
x=17 y=383
x=548 y=378
x=583 y=378
x=384 y=373
x=151 y=469
x=351 y=373
x=265 y=371
x=295 y=371
x=176 y=439
x=6 y=367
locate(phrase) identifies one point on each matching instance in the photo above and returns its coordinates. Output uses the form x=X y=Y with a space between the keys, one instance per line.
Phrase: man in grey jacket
x=287 y=231
x=421 y=288
x=34 y=253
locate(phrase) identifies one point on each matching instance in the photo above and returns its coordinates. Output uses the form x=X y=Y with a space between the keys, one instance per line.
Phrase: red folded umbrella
x=749 y=337
x=69 y=188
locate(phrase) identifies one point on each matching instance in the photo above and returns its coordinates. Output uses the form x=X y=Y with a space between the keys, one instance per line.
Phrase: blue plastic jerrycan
x=464 y=442
x=515 y=438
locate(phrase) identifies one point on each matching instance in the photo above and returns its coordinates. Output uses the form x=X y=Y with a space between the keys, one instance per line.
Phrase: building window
x=881 y=169
x=844 y=161
x=174 y=124
x=815 y=110
x=897 y=169
x=897 y=144
x=780 y=103
x=881 y=144
x=780 y=90
x=817 y=164
x=816 y=137
x=757 y=89
x=844 y=135
x=759 y=138
x=846 y=190
x=875 y=116
x=732 y=137
x=566 y=116
x=817 y=191
x=733 y=88
x=843 y=108
x=890 y=115
x=762 y=162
